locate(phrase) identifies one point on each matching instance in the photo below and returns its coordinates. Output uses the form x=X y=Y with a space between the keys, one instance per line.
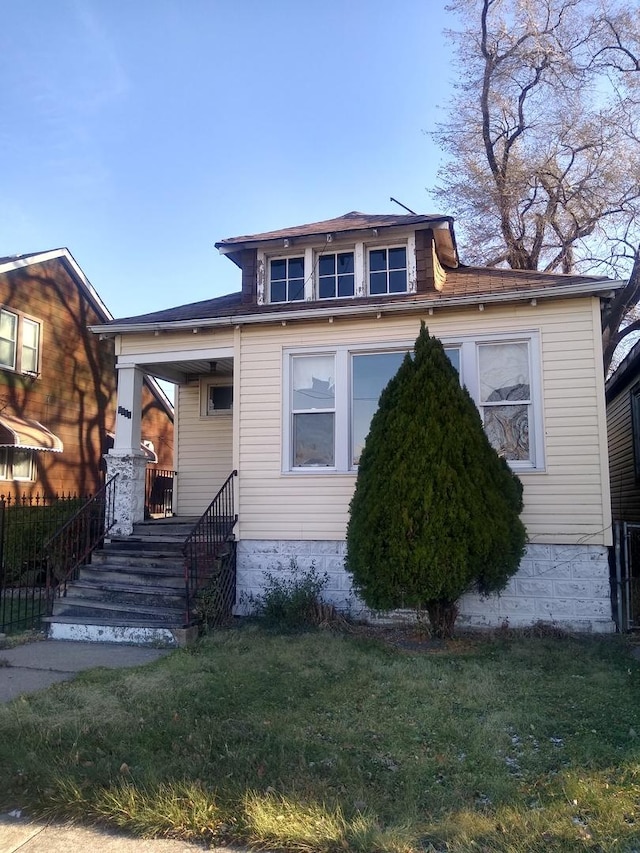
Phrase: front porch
x=205 y=430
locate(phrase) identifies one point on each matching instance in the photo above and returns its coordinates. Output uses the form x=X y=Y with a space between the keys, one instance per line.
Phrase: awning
x=27 y=434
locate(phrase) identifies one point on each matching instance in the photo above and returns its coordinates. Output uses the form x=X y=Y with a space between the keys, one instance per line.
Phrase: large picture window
x=333 y=396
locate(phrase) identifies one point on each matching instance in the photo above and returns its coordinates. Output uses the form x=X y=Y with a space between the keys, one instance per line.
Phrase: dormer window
x=351 y=270
x=286 y=279
x=336 y=275
x=388 y=270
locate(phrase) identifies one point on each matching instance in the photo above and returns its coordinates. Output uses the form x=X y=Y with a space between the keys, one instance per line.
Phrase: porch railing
x=72 y=545
x=209 y=555
x=158 y=493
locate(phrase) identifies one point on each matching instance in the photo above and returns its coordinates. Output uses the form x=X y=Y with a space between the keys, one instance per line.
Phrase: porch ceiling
x=179 y=371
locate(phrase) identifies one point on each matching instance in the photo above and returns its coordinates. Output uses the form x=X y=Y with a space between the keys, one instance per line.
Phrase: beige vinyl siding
x=205 y=339
x=204 y=453
x=625 y=491
x=568 y=502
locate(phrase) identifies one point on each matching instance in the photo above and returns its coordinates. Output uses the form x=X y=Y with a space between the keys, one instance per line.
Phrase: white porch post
x=125 y=458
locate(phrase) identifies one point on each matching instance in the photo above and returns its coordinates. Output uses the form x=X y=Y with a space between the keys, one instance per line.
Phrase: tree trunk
x=442 y=616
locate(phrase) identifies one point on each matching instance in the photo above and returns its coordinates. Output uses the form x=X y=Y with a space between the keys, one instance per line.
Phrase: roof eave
x=601 y=289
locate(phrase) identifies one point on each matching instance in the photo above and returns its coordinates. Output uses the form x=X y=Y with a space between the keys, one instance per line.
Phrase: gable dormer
x=355 y=256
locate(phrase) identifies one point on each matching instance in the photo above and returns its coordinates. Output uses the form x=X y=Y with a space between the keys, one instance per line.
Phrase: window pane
x=507 y=429
x=397 y=259
x=453 y=354
x=4 y=473
x=22 y=464
x=397 y=281
x=278 y=270
x=345 y=285
x=29 y=360
x=327 y=288
x=296 y=289
x=378 y=282
x=313 y=440
x=30 y=334
x=377 y=260
x=220 y=398
x=371 y=373
x=7 y=353
x=504 y=372
x=296 y=267
x=278 y=291
x=327 y=265
x=8 y=325
x=313 y=382
x=345 y=263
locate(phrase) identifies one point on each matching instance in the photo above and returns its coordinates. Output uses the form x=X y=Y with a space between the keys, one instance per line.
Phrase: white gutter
x=597 y=288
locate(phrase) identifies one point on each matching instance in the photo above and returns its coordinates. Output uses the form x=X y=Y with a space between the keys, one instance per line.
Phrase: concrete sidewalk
x=18 y=834
x=34 y=666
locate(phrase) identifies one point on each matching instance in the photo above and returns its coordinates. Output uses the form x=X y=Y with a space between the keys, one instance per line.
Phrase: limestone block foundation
x=567 y=585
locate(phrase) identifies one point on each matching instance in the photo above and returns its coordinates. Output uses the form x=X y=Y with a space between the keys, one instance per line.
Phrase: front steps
x=133 y=591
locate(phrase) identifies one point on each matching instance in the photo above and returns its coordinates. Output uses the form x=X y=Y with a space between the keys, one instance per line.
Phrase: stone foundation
x=567 y=585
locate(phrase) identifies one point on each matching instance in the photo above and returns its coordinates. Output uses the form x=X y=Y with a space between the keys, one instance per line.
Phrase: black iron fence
x=38 y=537
x=158 y=494
x=210 y=558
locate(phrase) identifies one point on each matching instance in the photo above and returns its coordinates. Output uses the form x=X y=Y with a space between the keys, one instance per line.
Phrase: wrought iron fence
x=26 y=523
x=158 y=494
x=209 y=557
x=42 y=541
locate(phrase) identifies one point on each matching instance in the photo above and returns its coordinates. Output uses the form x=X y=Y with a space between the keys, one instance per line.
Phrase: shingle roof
x=463 y=282
x=353 y=221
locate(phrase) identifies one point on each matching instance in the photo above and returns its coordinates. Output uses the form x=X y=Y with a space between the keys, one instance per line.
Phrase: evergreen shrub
x=436 y=510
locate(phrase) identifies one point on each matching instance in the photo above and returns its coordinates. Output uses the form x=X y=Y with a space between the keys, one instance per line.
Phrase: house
x=279 y=382
x=622 y=391
x=58 y=382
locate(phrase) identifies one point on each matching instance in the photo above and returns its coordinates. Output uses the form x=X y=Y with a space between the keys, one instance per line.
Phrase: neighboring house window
x=30 y=345
x=333 y=396
x=388 y=270
x=16 y=464
x=336 y=275
x=8 y=338
x=286 y=279
x=19 y=342
x=635 y=428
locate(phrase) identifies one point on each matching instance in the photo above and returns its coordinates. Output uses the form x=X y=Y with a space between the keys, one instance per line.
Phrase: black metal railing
x=158 y=493
x=27 y=575
x=72 y=544
x=209 y=555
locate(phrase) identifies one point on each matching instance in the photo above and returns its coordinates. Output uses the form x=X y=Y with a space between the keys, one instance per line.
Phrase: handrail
x=70 y=546
x=206 y=542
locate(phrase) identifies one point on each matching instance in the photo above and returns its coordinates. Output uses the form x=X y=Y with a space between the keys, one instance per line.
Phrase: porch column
x=126 y=458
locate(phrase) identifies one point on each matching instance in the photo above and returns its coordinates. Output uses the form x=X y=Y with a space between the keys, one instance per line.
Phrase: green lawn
x=328 y=742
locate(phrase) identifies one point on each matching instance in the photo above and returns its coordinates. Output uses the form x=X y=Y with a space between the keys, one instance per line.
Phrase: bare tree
x=544 y=141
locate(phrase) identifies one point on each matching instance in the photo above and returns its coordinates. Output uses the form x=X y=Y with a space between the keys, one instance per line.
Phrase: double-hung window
x=313 y=406
x=19 y=342
x=8 y=338
x=505 y=397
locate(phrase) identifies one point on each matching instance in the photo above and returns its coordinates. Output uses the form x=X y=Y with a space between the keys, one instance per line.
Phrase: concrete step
x=148 y=558
x=93 y=608
x=107 y=573
x=102 y=619
x=127 y=594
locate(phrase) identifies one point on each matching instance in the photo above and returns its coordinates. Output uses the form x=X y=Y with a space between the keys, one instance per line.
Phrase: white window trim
x=205 y=384
x=18 y=343
x=14 y=341
x=469 y=376
x=311 y=255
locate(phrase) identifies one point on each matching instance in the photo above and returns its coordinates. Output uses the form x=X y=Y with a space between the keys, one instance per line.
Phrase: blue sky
x=139 y=132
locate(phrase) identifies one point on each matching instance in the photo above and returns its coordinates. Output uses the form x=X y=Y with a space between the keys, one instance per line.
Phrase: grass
x=327 y=742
